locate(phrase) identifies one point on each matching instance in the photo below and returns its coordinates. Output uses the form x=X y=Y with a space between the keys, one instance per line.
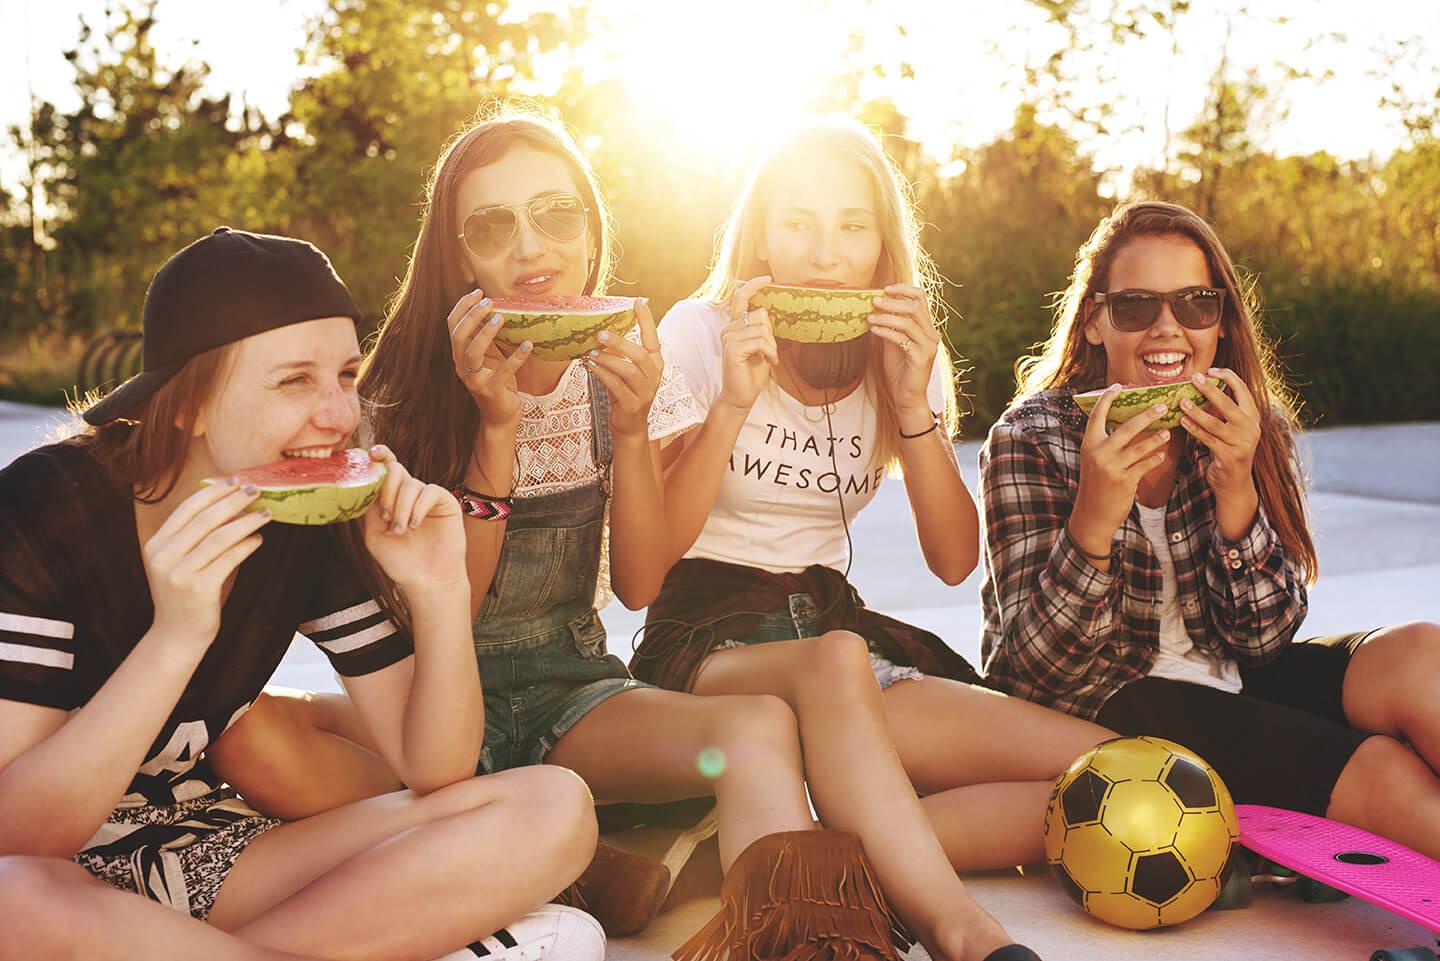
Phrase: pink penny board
x=1353 y=860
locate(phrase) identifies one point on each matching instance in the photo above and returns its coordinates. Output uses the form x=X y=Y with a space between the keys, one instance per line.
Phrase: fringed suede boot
x=799 y=896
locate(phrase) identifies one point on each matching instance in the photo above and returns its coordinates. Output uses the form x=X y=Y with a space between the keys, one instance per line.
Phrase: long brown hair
x=415 y=403
x=1068 y=359
x=902 y=259
x=146 y=449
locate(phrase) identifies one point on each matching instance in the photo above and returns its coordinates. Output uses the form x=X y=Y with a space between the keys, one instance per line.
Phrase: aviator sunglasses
x=1194 y=307
x=487 y=231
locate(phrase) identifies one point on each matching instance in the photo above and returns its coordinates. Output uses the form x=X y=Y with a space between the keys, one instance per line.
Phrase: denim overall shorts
x=538 y=639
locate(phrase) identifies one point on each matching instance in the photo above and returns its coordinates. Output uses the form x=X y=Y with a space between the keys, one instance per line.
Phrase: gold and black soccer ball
x=1138 y=831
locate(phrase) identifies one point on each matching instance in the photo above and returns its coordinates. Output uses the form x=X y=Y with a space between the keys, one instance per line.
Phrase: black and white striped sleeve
x=355 y=631
x=37 y=658
x=358 y=639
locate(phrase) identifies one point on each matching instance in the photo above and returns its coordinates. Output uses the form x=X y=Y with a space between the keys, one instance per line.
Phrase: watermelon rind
x=1134 y=400
x=314 y=491
x=562 y=328
x=816 y=315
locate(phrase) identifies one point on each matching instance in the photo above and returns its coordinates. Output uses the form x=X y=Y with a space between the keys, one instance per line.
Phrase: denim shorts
x=803 y=620
x=541 y=687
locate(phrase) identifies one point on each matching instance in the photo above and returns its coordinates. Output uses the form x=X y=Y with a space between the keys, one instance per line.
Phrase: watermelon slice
x=1135 y=398
x=816 y=315
x=314 y=490
x=562 y=328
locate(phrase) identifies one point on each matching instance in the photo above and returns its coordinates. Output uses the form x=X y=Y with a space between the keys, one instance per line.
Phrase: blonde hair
x=1068 y=359
x=902 y=259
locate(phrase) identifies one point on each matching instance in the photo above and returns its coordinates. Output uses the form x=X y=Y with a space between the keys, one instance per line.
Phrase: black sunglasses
x=487 y=231
x=1193 y=307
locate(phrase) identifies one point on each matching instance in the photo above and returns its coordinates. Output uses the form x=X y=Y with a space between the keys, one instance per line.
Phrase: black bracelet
x=934 y=423
x=507 y=499
x=1076 y=544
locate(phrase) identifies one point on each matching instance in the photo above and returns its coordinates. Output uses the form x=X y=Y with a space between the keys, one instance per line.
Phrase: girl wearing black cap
x=140 y=618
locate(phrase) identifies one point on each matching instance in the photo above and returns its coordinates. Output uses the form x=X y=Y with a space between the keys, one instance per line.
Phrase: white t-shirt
x=779 y=505
x=1178 y=657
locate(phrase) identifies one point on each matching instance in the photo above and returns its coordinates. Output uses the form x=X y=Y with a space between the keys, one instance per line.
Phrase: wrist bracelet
x=934 y=423
x=1076 y=544
x=483 y=507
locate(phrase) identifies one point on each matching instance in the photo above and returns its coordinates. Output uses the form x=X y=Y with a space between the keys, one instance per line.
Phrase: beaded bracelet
x=483 y=507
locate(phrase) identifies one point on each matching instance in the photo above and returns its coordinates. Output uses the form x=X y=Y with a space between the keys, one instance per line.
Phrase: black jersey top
x=74 y=602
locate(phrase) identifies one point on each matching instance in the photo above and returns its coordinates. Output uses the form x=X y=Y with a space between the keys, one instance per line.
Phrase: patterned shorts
x=177 y=854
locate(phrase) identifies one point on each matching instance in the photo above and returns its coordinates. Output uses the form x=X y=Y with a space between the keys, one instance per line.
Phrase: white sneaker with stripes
x=552 y=932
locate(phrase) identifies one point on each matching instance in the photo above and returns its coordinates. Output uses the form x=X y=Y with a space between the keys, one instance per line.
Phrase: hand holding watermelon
x=902 y=318
x=1111 y=467
x=188 y=560
x=414 y=530
x=631 y=372
x=1230 y=428
x=750 y=352
x=486 y=372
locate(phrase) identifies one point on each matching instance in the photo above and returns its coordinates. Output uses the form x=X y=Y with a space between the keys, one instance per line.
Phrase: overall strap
x=601 y=445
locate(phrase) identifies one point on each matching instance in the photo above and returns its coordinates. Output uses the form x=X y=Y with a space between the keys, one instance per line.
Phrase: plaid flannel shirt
x=1059 y=631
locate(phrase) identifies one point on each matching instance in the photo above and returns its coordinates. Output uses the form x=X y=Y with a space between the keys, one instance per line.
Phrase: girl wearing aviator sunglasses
x=1155 y=580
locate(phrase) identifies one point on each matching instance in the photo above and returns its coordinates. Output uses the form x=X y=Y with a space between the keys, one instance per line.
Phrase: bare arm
x=945 y=516
x=427 y=712
x=61 y=776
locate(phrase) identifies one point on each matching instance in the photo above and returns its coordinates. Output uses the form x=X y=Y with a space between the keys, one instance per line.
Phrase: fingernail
x=475 y=292
x=1197 y=378
x=1160 y=408
x=593 y=353
x=589 y=363
x=1186 y=403
x=250 y=490
x=385 y=514
x=1164 y=435
x=604 y=336
x=232 y=481
x=495 y=320
x=1113 y=387
x=1214 y=370
x=483 y=301
x=264 y=512
x=526 y=346
x=397 y=528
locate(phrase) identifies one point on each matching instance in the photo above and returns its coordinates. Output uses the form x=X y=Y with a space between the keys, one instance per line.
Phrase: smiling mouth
x=312 y=452
x=1164 y=365
x=536 y=280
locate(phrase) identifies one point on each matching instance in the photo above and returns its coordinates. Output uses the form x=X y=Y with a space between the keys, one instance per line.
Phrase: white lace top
x=553 y=450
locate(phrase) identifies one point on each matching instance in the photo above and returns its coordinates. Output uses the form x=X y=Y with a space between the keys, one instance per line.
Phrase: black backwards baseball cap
x=220 y=289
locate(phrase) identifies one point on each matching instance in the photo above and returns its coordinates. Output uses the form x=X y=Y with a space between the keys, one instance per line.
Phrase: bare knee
x=754 y=725
x=1374 y=781
x=836 y=666
x=1390 y=684
x=259 y=748
x=549 y=804
x=37 y=894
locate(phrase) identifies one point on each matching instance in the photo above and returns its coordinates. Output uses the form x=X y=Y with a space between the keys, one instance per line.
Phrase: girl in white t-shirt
x=796 y=440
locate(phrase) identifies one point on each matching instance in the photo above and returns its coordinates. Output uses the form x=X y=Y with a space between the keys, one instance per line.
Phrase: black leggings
x=1282 y=741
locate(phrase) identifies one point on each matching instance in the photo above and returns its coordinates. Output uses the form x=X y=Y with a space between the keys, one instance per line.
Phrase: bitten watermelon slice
x=816 y=315
x=562 y=328
x=1133 y=399
x=314 y=490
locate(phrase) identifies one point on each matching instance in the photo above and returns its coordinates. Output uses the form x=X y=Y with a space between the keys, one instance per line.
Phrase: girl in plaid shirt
x=1154 y=580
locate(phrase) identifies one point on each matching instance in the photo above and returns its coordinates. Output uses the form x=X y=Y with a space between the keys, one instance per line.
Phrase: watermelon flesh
x=562 y=328
x=314 y=490
x=816 y=315
x=1135 y=399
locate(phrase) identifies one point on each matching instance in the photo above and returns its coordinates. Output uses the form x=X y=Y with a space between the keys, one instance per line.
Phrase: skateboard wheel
x=1404 y=954
x=1235 y=885
x=1315 y=892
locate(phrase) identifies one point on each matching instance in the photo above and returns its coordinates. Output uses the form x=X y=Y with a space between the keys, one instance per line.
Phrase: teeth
x=543 y=278
x=1163 y=360
x=308 y=452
